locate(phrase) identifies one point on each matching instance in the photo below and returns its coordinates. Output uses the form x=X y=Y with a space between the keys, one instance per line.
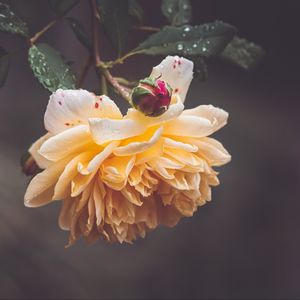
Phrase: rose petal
x=177 y=72
x=138 y=147
x=214 y=114
x=66 y=142
x=67 y=108
x=41 y=161
x=41 y=188
x=173 y=112
x=106 y=130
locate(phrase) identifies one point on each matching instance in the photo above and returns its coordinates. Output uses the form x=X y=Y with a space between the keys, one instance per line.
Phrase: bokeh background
x=244 y=244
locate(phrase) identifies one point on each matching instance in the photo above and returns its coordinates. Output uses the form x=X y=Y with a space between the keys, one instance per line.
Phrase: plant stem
x=33 y=39
x=124 y=92
x=103 y=85
x=146 y=28
x=126 y=82
x=84 y=70
x=95 y=33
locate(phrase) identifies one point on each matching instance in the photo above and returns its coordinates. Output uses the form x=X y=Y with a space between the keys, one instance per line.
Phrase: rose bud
x=152 y=96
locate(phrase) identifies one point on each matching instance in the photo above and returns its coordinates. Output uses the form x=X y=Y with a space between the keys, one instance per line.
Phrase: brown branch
x=95 y=16
x=84 y=70
x=34 y=38
x=146 y=28
x=124 y=92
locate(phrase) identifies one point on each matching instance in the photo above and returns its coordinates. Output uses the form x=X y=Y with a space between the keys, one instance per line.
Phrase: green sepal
x=149 y=81
x=137 y=93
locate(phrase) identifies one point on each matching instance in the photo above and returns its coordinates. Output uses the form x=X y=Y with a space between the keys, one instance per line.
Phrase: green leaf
x=50 y=68
x=205 y=40
x=62 y=6
x=4 y=65
x=243 y=53
x=200 y=68
x=136 y=10
x=114 y=16
x=178 y=12
x=10 y=22
x=80 y=33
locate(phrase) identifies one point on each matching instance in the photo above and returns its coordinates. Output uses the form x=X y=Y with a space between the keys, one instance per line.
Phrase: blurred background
x=244 y=244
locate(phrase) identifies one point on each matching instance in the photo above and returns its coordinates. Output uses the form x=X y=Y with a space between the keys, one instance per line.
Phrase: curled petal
x=170 y=143
x=138 y=146
x=65 y=143
x=173 y=112
x=177 y=72
x=106 y=130
x=215 y=115
x=192 y=126
x=68 y=108
x=41 y=161
x=41 y=188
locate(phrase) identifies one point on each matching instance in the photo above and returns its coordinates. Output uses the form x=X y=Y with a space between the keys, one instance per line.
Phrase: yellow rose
x=121 y=176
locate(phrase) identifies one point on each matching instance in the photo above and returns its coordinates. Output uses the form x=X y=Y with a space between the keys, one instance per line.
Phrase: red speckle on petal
x=176 y=90
x=96 y=104
x=174 y=66
x=67 y=124
x=100 y=98
x=59 y=102
x=179 y=62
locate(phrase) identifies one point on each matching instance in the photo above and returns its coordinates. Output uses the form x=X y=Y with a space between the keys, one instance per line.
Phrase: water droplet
x=179 y=47
x=195 y=45
x=185 y=6
x=204 y=49
x=206 y=27
x=187 y=28
x=169 y=10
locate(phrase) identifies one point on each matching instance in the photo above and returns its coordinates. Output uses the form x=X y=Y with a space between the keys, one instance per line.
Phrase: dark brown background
x=245 y=244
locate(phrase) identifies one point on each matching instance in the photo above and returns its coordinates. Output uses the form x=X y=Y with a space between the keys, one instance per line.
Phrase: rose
x=121 y=176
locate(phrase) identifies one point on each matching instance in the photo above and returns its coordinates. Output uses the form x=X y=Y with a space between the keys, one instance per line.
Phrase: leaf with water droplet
x=114 y=18
x=178 y=12
x=200 y=67
x=203 y=40
x=10 y=22
x=4 y=65
x=80 y=33
x=50 y=68
x=62 y=6
x=136 y=11
x=243 y=53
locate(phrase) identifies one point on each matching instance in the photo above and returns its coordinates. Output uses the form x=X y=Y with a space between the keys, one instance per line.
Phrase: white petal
x=105 y=130
x=67 y=108
x=189 y=126
x=198 y=122
x=214 y=114
x=41 y=161
x=177 y=72
x=66 y=143
x=138 y=147
x=173 y=112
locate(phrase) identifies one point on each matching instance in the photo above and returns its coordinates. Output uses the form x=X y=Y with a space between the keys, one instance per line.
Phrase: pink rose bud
x=152 y=97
